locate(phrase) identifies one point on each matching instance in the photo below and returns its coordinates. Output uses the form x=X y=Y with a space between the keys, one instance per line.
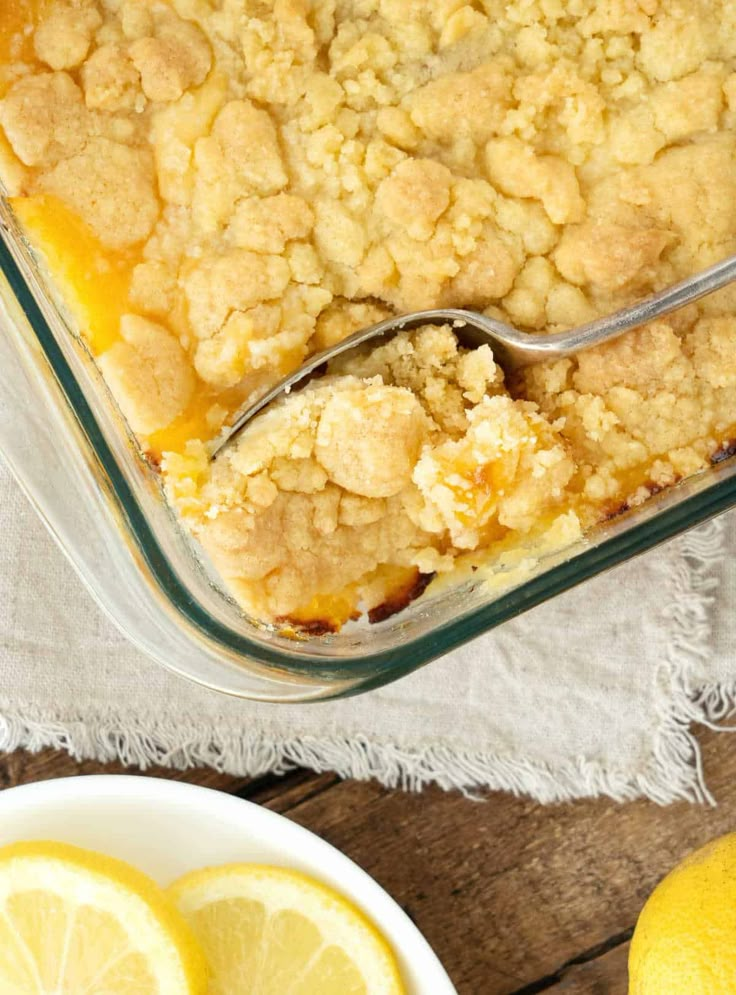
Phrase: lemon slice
x=73 y=922
x=273 y=931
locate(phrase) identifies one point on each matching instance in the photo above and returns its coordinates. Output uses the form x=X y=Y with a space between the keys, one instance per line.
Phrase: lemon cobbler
x=221 y=188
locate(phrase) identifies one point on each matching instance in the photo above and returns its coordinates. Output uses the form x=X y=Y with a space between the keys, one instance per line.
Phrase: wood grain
x=606 y=975
x=516 y=898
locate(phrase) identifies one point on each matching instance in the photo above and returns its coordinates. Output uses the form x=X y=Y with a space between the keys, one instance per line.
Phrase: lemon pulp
x=273 y=931
x=75 y=922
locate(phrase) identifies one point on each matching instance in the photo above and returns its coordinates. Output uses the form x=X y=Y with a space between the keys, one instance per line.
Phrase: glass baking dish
x=65 y=440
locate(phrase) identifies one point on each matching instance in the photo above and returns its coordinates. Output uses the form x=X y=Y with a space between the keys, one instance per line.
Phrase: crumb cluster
x=272 y=176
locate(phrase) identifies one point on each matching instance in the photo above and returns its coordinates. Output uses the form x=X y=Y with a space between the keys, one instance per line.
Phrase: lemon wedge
x=273 y=931
x=73 y=922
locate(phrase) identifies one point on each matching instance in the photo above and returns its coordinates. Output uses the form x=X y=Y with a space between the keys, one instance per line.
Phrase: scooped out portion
x=352 y=494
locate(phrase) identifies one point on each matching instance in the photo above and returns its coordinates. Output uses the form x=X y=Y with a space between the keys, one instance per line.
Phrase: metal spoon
x=511 y=348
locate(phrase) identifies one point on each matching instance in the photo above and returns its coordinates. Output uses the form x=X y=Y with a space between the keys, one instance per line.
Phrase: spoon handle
x=533 y=348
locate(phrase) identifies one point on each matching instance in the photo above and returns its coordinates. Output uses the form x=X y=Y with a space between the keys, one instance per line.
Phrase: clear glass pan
x=65 y=441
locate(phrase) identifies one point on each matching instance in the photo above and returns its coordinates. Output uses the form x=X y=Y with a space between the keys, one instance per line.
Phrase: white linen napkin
x=592 y=693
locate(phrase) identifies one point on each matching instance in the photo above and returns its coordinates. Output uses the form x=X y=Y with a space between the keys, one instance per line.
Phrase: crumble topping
x=254 y=181
x=405 y=457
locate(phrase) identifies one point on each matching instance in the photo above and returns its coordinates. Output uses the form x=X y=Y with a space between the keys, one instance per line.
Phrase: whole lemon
x=685 y=940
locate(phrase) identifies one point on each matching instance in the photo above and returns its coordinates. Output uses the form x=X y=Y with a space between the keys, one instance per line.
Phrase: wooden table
x=515 y=897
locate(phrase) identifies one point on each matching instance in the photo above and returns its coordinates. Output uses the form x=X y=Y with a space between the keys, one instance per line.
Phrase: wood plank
x=508 y=891
x=284 y=793
x=606 y=975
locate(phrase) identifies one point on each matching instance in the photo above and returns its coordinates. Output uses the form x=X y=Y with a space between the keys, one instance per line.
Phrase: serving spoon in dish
x=512 y=349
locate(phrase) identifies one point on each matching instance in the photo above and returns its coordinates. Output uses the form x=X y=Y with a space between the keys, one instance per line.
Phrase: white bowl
x=167 y=828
